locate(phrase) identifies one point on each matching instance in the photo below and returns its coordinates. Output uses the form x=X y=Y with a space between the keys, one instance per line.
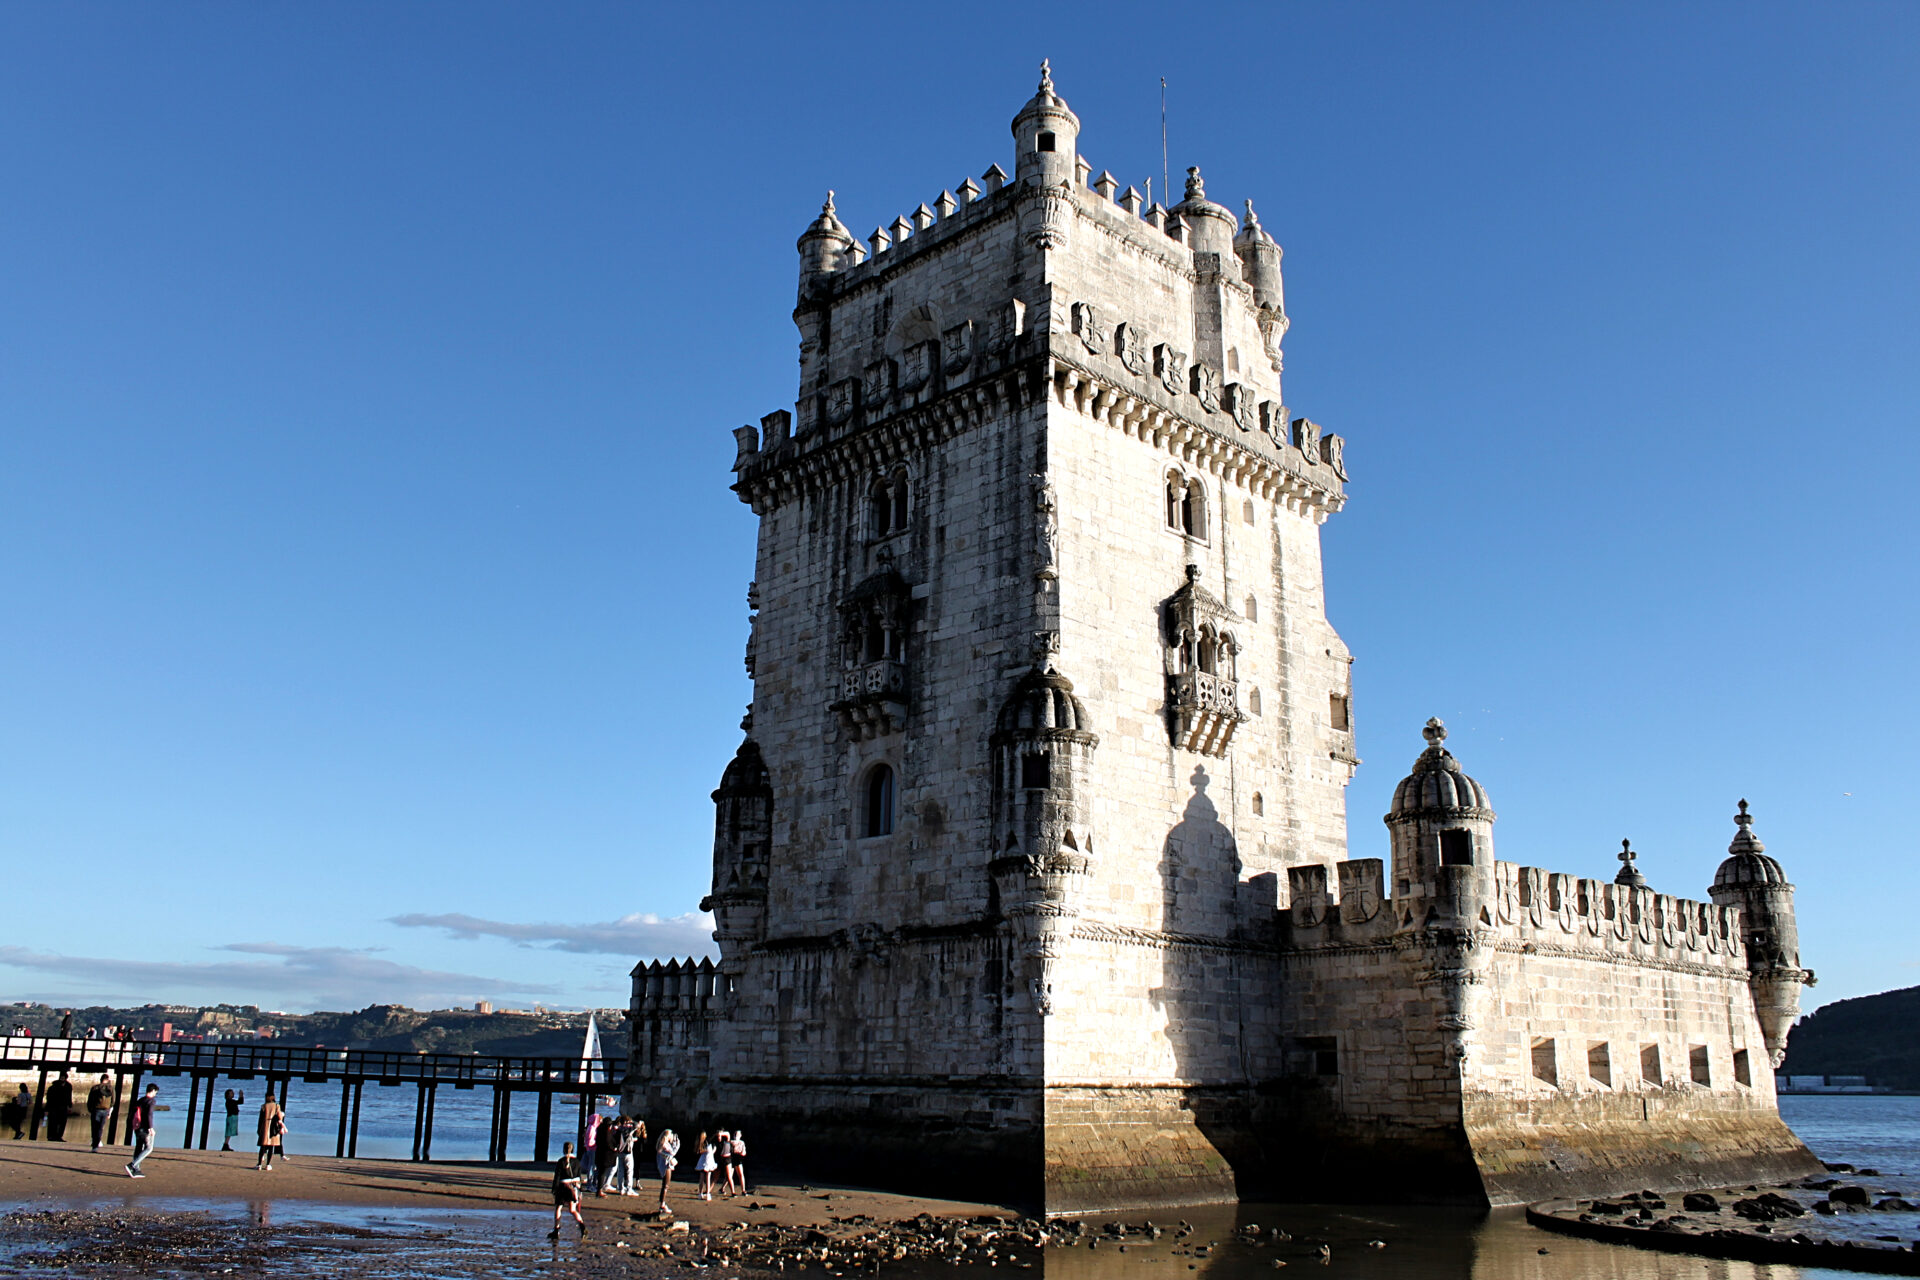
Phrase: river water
x=1417 y=1243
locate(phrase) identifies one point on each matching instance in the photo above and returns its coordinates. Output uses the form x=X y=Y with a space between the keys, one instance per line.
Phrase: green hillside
x=1873 y=1036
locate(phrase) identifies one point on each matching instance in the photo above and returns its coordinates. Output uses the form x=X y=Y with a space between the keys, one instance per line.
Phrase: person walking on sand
x=100 y=1108
x=737 y=1167
x=272 y=1124
x=666 y=1155
x=18 y=1112
x=59 y=1107
x=235 y=1101
x=566 y=1191
x=704 y=1165
x=142 y=1123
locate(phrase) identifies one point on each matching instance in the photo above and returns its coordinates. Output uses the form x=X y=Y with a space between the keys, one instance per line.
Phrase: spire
x=1046 y=75
x=1744 y=841
x=1196 y=189
x=1436 y=731
x=1629 y=870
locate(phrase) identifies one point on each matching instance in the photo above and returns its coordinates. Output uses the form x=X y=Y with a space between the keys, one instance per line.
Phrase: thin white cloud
x=640 y=936
x=289 y=978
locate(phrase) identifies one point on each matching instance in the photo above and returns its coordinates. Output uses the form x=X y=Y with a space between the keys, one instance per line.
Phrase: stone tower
x=1755 y=883
x=1045 y=699
x=1032 y=871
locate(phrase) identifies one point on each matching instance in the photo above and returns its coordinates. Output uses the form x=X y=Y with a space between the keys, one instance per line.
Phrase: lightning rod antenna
x=1163 y=139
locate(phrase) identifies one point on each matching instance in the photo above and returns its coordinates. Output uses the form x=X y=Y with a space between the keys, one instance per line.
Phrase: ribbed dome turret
x=1438 y=782
x=1043 y=701
x=1747 y=861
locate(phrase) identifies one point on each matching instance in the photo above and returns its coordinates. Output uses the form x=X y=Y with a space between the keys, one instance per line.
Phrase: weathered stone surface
x=1035 y=866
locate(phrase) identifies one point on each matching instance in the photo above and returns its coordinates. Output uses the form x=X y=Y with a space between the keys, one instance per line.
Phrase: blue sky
x=374 y=599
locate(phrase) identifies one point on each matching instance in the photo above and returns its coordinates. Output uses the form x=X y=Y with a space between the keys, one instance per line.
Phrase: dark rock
x=1825 y=1207
x=1608 y=1207
x=1868 y=1173
x=1850 y=1197
x=1699 y=1202
x=1837 y=1168
x=1769 y=1207
x=1895 y=1202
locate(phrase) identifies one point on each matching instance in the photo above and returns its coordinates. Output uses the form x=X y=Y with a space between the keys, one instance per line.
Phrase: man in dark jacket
x=100 y=1108
x=59 y=1107
x=142 y=1124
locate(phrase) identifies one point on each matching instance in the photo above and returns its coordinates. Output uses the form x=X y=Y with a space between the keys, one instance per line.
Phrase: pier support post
x=353 y=1130
x=193 y=1103
x=346 y=1100
x=542 y=1125
x=138 y=1074
x=39 y=1108
x=419 y=1116
x=113 y=1118
x=506 y=1118
x=206 y=1113
x=426 y=1139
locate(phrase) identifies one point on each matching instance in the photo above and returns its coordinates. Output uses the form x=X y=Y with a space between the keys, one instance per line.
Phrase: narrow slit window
x=1600 y=1063
x=1253 y=701
x=1259 y=805
x=1339 y=715
x=1650 y=1063
x=1742 y=1073
x=1699 y=1065
x=879 y=802
x=1545 y=1069
x=1253 y=609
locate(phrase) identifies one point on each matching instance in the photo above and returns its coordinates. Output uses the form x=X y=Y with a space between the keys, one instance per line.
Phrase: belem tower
x=1032 y=877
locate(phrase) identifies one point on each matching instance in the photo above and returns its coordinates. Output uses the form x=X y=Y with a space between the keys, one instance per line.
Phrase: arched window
x=1193 y=510
x=879 y=802
x=1209 y=651
x=1259 y=805
x=1176 y=497
x=887 y=505
x=1253 y=609
x=1253 y=701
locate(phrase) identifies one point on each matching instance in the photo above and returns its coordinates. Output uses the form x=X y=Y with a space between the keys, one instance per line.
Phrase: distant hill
x=516 y=1033
x=1873 y=1036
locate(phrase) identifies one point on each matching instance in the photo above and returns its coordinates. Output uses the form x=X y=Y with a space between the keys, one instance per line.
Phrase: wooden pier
x=134 y=1061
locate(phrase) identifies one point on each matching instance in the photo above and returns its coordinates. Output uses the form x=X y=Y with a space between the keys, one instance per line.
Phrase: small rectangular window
x=1697 y=1064
x=1337 y=712
x=1600 y=1063
x=1045 y=143
x=1741 y=1071
x=1456 y=848
x=1315 y=1056
x=1650 y=1063
x=1036 y=772
x=1545 y=1069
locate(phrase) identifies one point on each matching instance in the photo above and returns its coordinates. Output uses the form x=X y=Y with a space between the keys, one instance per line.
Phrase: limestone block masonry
x=1032 y=872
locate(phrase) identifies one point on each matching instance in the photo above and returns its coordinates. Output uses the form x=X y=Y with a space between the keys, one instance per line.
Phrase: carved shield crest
x=1086 y=327
x=1360 y=889
x=1273 y=421
x=1205 y=382
x=1239 y=403
x=1306 y=438
x=1171 y=367
x=916 y=366
x=956 y=348
x=839 y=401
x=877 y=388
x=1132 y=347
x=1334 y=450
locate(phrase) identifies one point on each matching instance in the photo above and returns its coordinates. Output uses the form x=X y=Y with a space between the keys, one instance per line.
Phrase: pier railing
x=207 y=1061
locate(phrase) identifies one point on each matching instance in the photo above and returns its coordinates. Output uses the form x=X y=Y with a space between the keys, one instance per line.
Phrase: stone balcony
x=1206 y=711
x=873 y=698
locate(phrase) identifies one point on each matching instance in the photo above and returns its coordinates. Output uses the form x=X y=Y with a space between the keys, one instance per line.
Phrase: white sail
x=591 y=1070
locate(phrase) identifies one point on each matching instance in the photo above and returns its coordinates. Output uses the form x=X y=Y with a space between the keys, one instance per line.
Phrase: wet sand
x=37 y=1174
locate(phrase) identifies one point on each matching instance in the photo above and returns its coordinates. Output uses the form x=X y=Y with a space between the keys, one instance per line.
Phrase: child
x=566 y=1191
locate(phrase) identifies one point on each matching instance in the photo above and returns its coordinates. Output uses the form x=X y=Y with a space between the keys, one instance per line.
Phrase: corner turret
x=1260 y=265
x=1441 y=819
x=1046 y=136
x=823 y=247
x=1756 y=883
x=1210 y=226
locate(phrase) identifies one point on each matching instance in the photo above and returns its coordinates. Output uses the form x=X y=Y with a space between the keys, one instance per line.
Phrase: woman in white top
x=737 y=1167
x=704 y=1166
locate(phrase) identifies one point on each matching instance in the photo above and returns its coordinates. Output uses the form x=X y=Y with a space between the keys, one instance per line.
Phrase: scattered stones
x=1700 y=1202
x=1767 y=1207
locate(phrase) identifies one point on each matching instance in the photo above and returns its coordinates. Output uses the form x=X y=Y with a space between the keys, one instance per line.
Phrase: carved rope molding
x=806 y=466
x=1730 y=972
x=1162 y=940
x=1137 y=414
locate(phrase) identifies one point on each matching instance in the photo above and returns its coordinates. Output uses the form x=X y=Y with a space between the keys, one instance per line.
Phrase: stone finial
x=922 y=218
x=996 y=178
x=1106 y=185
x=1156 y=217
x=1435 y=732
x=1046 y=76
x=856 y=253
x=944 y=204
x=879 y=240
x=1253 y=219
x=970 y=190
x=827 y=208
x=1196 y=189
x=1081 y=168
x=1130 y=200
x=1193 y=572
x=901 y=229
x=1629 y=869
x=1744 y=841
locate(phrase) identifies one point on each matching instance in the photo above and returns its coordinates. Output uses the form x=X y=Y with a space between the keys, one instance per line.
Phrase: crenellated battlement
x=679 y=988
